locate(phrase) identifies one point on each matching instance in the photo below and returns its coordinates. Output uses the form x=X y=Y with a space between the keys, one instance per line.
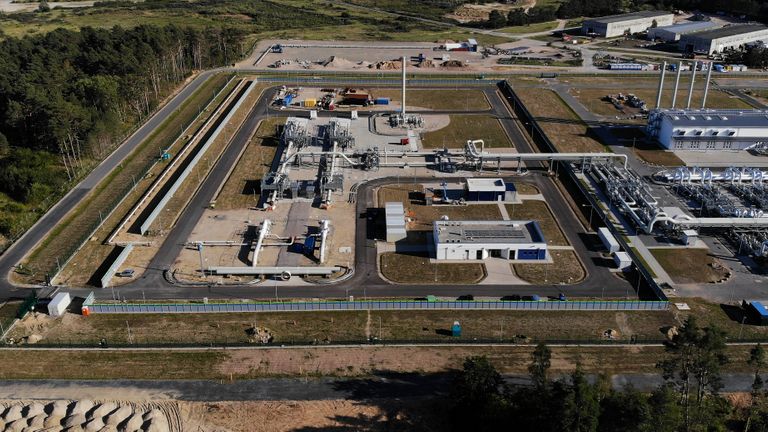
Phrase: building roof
x=485 y=185
x=394 y=215
x=629 y=16
x=501 y=232
x=732 y=30
x=688 y=27
x=717 y=118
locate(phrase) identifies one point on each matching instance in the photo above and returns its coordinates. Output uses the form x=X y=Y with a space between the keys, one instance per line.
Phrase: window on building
x=694 y=145
x=678 y=145
x=710 y=144
x=727 y=145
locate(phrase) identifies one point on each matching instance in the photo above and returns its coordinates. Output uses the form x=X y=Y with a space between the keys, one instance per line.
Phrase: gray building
x=635 y=22
x=719 y=40
x=673 y=33
x=709 y=129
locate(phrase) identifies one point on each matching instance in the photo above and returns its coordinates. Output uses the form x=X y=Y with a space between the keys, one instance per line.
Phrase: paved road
x=382 y=385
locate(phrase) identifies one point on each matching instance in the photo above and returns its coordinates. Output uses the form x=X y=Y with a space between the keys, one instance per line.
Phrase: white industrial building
x=618 y=25
x=394 y=214
x=709 y=129
x=478 y=240
x=674 y=32
x=719 y=40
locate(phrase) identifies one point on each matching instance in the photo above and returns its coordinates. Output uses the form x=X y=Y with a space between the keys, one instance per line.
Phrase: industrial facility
x=618 y=25
x=722 y=39
x=479 y=240
x=709 y=129
x=674 y=32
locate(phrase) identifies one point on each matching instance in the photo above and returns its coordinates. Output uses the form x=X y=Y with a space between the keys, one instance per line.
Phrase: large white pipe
x=661 y=84
x=690 y=88
x=262 y=234
x=706 y=86
x=677 y=83
x=323 y=235
x=403 y=109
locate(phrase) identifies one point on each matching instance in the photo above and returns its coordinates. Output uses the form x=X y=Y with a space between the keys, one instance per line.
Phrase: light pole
x=591 y=210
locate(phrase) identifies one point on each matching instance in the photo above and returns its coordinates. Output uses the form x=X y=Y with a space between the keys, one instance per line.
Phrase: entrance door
x=479 y=254
x=495 y=253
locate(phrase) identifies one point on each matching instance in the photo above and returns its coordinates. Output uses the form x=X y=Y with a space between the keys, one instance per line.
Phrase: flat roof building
x=674 y=32
x=479 y=240
x=635 y=22
x=489 y=189
x=394 y=214
x=719 y=40
x=709 y=129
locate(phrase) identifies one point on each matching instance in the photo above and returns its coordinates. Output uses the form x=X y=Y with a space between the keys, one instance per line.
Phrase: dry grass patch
x=422 y=216
x=403 y=193
x=726 y=317
x=241 y=189
x=540 y=212
x=449 y=100
x=465 y=127
x=565 y=269
x=657 y=156
x=563 y=127
x=417 y=269
x=690 y=265
x=526 y=189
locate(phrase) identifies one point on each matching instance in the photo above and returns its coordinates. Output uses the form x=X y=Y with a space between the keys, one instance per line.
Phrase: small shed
x=609 y=241
x=623 y=260
x=756 y=312
x=486 y=189
x=58 y=304
x=689 y=237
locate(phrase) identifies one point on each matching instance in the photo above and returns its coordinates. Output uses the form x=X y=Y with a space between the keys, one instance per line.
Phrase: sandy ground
x=479 y=12
x=338 y=415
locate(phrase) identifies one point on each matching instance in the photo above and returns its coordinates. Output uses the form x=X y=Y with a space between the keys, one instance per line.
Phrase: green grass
x=453 y=100
x=468 y=127
x=530 y=28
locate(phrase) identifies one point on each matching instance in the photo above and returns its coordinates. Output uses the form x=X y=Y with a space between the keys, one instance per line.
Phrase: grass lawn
x=398 y=193
x=415 y=269
x=563 y=127
x=526 y=189
x=422 y=216
x=592 y=99
x=63 y=240
x=690 y=265
x=655 y=155
x=454 y=100
x=530 y=28
x=241 y=189
x=540 y=212
x=468 y=127
x=565 y=269
x=726 y=317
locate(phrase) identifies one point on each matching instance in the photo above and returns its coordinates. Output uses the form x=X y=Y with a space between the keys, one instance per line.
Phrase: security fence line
x=554 y=305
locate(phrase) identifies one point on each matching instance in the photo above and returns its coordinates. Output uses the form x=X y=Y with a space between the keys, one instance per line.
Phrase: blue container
x=381 y=101
x=309 y=246
x=456 y=329
x=287 y=99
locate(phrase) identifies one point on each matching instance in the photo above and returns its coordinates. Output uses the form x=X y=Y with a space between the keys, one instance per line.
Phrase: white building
x=394 y=214
x=674 y=32
x=478 y=240
x=719 y=40
x=635 y=22
x=689 y=129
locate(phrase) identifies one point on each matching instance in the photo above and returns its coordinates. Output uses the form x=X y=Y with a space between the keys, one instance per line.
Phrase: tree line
x=688 y=400
x=66 y=97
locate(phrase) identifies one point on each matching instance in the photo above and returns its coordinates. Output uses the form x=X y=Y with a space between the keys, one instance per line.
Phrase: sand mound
x=134 y=422
x=57 y=408
x=338 y=63
x=119 y=416
x=12 y=413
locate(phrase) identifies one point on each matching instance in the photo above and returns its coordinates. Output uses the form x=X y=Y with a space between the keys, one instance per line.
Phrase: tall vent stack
x=690 y=88
x=677 y=83
x=706 y=85
x=403 y=108
x=661 y=84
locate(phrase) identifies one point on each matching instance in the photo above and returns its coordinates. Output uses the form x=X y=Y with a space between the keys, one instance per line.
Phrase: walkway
x=500 y=273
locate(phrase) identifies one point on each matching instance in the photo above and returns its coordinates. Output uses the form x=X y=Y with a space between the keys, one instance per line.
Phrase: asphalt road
x=381 y=385
x=365 y=281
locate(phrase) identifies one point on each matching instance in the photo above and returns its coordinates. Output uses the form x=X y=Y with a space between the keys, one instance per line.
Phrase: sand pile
x=453 y=64
x=426 y=64
x=335 y=62
x=388 y=65
x=258 y=334
x=89 y=416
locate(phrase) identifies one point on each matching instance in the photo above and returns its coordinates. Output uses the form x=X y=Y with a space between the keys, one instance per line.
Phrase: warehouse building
x=618 y=25
x=673 y=33
x=479 y=240
x=709 y=129
x=719 y=40
x=489 y=189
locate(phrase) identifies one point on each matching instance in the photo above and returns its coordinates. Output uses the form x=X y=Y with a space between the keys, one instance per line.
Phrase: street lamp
x=591 y=210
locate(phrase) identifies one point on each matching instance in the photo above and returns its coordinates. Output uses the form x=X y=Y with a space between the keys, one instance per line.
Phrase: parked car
x=127 y=273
